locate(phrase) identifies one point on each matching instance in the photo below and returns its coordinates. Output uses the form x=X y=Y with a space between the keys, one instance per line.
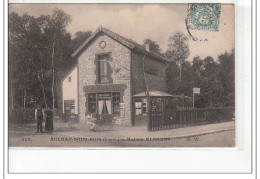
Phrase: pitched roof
x=126 y=42
x=68 y=72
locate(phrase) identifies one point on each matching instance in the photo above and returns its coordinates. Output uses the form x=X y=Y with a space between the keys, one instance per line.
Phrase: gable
x=96 y=35
x=102 y=44
x=122 y=40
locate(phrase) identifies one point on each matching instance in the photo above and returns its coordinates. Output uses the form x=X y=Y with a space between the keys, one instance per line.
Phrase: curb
x=171 y=137
x=200 y=134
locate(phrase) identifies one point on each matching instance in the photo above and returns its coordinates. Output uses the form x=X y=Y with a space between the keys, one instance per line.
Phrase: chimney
x=147 y=47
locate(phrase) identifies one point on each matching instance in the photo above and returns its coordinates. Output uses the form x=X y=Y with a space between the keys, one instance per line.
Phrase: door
x=140 y=111
x=104 y=106
x=105 y=111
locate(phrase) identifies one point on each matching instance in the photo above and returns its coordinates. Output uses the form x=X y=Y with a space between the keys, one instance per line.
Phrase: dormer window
x=69 y=79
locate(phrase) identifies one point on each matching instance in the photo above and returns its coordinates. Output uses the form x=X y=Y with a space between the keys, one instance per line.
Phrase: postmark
x=204 y=16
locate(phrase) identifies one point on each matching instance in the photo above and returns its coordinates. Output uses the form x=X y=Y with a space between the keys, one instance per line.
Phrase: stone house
x=109 y=75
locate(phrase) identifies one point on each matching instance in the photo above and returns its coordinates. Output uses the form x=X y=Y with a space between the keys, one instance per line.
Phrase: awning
x=154 y=93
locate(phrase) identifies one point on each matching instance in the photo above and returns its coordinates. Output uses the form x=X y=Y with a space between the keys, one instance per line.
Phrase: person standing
x=39 y=118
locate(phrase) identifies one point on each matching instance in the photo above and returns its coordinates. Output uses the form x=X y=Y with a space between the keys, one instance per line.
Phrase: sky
x=140 y=21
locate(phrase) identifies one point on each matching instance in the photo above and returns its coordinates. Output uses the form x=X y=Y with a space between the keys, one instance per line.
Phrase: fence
x=27 y=116
x=162 y=120
x=22 y=116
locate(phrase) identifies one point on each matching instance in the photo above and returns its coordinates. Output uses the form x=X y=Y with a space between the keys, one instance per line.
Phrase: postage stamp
x=204 y=16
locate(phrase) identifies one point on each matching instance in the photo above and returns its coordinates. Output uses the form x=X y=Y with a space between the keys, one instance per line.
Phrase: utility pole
x=147 y=94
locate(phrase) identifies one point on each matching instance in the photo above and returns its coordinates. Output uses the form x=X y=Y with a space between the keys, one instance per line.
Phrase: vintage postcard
x=121 y=75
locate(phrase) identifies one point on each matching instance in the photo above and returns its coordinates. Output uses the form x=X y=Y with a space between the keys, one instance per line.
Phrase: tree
x=226 y=75
x=177 y=52
x=153 y=46
x=34 y=44
x=54 y=34
x=23 y=35
x=79 y=38
x=178 y=48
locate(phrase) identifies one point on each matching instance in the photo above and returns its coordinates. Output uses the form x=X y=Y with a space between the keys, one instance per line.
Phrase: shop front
x=104 y=101
x=159 y=101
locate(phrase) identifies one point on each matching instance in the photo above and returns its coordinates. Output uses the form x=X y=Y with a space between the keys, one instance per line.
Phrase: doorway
x=104 y=106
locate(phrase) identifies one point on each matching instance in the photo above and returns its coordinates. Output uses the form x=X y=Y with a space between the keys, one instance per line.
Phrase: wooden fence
x=162 y=120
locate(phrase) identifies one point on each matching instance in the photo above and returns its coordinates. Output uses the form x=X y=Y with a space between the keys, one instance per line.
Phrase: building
x=70 y=91
x=109 y=78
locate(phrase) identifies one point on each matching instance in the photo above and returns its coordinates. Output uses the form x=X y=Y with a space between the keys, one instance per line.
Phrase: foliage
x=153 y=46
x=178 y=47
x=33 y=44
x=80 y=37
x=215 y=78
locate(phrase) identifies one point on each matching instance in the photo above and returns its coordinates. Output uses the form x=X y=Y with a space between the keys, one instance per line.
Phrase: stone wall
x=120 y=64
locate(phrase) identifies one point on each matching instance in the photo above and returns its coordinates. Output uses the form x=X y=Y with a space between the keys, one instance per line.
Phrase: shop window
x=103 y=68
x=138 y=106
x=116 y=102
x=153 y=104
x=144 y=106
x=92 y=103
x=108 y=103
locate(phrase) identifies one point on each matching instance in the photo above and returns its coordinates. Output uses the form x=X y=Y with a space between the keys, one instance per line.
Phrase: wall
x=70 y=89
x=155 y=82
x=120 y=56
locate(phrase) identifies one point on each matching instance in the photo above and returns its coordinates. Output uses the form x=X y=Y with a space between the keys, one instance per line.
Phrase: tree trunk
x=43 y=91
x=41 y=82
x=12 y=96
x=180 y=70
x=58 y=90
x=53 y=78
x=24 y=98
x=24 y=90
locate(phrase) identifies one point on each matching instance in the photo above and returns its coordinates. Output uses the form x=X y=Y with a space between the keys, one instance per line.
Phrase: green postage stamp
x=204 y=16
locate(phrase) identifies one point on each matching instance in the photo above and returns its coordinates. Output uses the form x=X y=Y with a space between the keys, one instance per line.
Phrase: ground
x=212 y=135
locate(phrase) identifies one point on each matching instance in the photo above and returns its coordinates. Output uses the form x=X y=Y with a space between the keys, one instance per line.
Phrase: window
x=116 y=101
x=145 y=106
x=138 y=106
x=151 y=68
x=92 y=102
x=69 y=79
x=72 y=107
x=69 y=106
x=141 y=106
x=106 y=102
x=167 y=104
x=153 y=104
x=103 y=68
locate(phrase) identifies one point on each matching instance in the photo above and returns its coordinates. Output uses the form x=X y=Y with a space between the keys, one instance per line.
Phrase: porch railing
x=162 y=120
